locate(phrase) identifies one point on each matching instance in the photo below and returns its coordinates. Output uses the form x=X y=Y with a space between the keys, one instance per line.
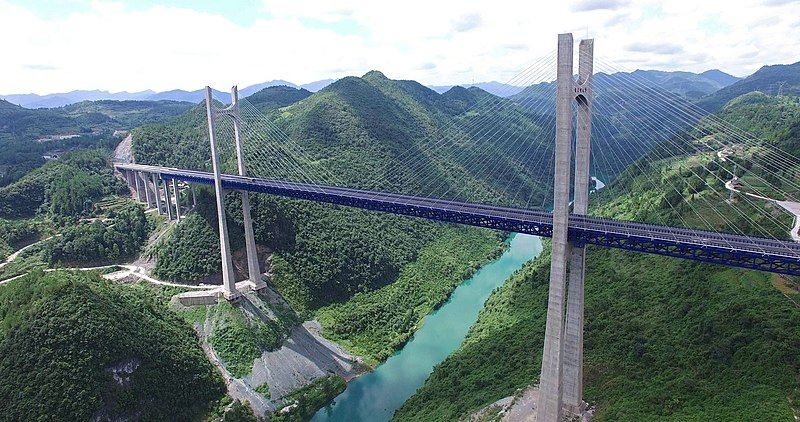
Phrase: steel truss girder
x=703 y=253
x=534 y=226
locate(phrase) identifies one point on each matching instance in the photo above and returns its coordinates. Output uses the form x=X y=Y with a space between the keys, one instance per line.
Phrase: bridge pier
x=167 y=200
x=177 y=199
x=157 y=193
x=561 y=381
x=138 y=180
x=128 y=175
x=147 y=191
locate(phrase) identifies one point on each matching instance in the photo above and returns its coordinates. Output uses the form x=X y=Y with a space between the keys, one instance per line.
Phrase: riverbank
x=376 y=324
x=376 y=395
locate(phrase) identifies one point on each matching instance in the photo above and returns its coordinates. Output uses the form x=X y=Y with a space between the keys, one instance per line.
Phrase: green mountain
x=19 y=123
x=274 y=97
x=687 y=84
x=777 y=79
x=74 y=181
x=355 y=127
x=28 y=135
x=76 y=347
x=665 y=339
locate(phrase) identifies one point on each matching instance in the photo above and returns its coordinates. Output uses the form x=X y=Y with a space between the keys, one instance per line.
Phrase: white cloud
x=110 y=46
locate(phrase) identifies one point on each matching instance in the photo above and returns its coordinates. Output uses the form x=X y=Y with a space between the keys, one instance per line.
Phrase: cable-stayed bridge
x=492 y=163
x=706 y=246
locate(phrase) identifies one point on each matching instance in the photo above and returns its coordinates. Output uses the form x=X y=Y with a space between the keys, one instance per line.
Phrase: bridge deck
x=720 y=248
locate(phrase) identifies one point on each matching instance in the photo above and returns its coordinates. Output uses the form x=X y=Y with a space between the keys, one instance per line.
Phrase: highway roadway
x=721 y=248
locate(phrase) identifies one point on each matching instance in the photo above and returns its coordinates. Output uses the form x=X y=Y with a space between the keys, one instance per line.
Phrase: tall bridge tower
x=254 y=273
x=561 y=381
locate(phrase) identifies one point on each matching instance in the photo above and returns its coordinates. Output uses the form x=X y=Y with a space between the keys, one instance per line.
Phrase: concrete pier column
x=147 y=190
x=157 y=193
x=167 y=200
x=128 y=174
x=550 y=387
x=194 y=196
x=139 y=186
x=177 y=199
x=253 y=270
x=573 y=331
x=228 y=277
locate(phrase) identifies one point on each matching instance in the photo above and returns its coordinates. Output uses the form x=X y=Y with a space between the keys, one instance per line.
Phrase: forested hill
x=19 y=123
x=369 y=131
x=357 y=127
x=773 y=80
x=76 y=347
x=27 y=136
x=277 y=96
x=665 y=339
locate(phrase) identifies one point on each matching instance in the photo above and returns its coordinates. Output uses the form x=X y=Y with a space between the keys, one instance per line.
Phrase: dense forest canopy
x=27 y=135
x=101 y=243
x=76 y=180
x=133 y=356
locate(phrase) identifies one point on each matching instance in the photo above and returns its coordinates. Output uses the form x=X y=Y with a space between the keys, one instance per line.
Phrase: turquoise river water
x=375 y=396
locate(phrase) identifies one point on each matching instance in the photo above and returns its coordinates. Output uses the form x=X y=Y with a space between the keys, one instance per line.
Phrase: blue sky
x=147 y=44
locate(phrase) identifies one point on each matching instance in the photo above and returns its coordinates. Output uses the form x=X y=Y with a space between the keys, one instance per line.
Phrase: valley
x=372 y=316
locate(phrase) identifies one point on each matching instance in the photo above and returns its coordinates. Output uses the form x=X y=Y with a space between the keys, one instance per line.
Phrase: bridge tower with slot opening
x=561 y=381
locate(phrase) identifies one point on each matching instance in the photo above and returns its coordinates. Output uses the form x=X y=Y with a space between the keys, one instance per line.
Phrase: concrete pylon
x=157 y=193
x=550 y=387
x=561 y=381
x=177 y=199
x=228 y=277
x=573 y=331
x=253 y=270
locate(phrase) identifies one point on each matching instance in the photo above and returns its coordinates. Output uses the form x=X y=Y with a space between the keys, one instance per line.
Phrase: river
x=376 y=395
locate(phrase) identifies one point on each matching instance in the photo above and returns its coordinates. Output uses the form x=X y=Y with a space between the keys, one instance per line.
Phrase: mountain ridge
x=714 y=78
x=775 y=79
x=60 y=99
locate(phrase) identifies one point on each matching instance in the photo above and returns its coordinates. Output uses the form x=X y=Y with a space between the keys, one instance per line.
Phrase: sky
x=58 y=46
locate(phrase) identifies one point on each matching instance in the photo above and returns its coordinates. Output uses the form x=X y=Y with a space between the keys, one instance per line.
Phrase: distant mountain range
x=688 y=84
x=66 y=98
x=496 y=88
x=779 y=79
